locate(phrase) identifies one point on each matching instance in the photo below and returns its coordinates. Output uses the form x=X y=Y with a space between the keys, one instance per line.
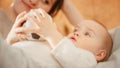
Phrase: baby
x=94 y=37
x=89 y=43
x=89 y=35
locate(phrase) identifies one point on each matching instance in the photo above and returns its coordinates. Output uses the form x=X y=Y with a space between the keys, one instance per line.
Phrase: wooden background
x=105 y=11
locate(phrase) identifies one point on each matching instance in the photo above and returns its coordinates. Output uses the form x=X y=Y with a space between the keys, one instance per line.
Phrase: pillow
x=114 y=60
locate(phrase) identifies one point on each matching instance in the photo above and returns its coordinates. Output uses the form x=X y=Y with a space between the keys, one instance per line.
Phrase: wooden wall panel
x=106 y=11
x=5 y=3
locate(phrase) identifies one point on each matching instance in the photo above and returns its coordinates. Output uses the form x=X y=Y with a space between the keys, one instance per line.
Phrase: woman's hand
x=14 y=35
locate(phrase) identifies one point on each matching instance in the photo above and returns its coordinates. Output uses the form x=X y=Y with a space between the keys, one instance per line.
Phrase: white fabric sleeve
x=11 y=57
x=70 y=56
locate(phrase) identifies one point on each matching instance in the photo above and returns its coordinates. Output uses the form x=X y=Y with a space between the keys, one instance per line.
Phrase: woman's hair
x=56 y=7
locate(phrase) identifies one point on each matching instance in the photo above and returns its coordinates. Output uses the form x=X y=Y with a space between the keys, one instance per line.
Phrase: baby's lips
x=73 y=38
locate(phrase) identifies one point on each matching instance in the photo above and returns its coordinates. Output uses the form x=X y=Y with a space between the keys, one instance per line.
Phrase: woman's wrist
x=66 y=6
x=72 y=13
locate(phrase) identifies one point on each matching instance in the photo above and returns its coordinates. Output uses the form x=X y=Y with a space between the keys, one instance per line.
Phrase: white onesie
x=33 y=54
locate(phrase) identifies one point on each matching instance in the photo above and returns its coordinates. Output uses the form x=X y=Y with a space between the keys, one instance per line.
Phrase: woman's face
x=25 y=5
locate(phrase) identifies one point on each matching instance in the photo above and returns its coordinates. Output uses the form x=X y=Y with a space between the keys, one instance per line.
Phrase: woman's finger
x=21 y=14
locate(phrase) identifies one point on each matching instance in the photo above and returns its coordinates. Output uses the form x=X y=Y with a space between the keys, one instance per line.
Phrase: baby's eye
x=87 y=34
x=46 y=2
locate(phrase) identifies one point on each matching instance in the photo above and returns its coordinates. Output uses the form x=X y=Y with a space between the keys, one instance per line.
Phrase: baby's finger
x=13 y=40
x=26 y=29
x=41 y=12
x=22 y=36
x=38 y=15
x=20 y=22
x=44 y=14
x=34 y=20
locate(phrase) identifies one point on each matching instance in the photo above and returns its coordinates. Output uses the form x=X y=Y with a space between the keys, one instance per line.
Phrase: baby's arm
x=70 y=56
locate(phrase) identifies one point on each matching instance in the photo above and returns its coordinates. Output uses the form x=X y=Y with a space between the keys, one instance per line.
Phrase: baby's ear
x=101 y=55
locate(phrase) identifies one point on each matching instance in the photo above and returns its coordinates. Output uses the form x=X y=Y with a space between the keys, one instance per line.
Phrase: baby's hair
x=108 y=41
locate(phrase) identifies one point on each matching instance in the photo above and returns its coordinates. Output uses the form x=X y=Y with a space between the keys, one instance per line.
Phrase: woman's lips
x=27 y=5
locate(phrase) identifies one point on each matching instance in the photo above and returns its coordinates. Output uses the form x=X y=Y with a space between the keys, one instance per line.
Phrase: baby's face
x=88 y=35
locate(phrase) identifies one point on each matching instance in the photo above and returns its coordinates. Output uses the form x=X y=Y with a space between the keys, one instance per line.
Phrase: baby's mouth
x=73 y=38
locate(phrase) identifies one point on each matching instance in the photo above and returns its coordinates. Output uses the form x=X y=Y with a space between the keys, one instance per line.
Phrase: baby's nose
x=76 y=34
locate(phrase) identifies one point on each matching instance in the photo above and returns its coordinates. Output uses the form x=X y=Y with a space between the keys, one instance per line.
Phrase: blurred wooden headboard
x=105 y=11
x=5 y=3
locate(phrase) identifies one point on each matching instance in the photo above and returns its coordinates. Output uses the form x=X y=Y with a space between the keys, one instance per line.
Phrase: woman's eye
x=87 y=34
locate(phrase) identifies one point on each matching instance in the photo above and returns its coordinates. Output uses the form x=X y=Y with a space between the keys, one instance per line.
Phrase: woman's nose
x=33 y=2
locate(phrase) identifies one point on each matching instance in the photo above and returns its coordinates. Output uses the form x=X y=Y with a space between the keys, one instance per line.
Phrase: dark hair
x=56 y=7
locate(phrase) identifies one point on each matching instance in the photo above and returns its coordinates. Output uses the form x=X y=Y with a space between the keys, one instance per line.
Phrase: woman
x=50 y=6
x=18 y=6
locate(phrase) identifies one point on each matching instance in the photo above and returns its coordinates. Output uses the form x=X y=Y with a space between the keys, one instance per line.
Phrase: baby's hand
x=43 y=21
x=14 y=36
x=37 y=14
x=44 y=26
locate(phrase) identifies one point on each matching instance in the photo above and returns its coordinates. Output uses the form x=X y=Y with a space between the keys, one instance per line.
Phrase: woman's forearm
x=72 y=13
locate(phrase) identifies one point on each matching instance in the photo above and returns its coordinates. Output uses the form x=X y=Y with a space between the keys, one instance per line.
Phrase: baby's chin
x=73 y=41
